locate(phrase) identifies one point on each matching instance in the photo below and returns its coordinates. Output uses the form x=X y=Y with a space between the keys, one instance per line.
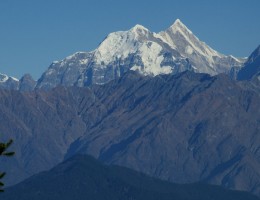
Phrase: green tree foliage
x=3 y=152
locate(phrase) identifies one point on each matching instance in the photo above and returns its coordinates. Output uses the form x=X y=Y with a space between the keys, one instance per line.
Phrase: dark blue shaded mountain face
x=252 y=66
x=83 y=177
x=184 y=128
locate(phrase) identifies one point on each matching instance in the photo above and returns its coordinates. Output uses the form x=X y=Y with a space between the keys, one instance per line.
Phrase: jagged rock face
x=184 y=128
x=233 y=74
x=252 y=66
x=169 y=52
x=27 y=83
x=8 y=82
x=67 y=72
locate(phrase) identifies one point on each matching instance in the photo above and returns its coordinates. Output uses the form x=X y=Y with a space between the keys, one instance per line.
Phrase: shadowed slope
x=83 y=177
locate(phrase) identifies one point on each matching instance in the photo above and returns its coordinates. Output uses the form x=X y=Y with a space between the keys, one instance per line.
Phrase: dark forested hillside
x=83 y=177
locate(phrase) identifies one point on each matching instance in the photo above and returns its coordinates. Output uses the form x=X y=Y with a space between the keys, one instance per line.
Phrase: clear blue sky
x=33 y=33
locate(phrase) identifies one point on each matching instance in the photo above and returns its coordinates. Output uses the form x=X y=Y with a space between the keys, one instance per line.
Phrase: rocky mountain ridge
x=8 y=82
x=26 y=83
x=186 y=127
x=252 y=66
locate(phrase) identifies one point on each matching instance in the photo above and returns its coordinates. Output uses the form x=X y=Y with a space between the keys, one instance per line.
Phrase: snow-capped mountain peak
x=8 y=82
x=4 y=78
x=171 y=51
x=178 y=26
x=180 y=36
x=139 y=29
x=121 y=44
x=139 y=44
x=117 y=45
x=202 y=57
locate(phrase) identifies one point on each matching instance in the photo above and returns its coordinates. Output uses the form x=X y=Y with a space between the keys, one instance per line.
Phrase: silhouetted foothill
x=83 y=177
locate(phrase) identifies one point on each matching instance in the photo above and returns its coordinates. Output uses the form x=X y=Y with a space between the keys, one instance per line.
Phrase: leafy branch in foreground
x=3 y=149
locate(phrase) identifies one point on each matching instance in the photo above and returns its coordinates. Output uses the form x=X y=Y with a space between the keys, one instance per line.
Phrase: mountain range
x=165 y=104
x=83 y=177
x=168 y=52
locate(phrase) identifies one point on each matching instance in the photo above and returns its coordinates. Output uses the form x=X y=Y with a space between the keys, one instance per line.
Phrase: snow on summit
x=119 y=45
x=122 y=44
x=4 y=78
x=202 y=57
